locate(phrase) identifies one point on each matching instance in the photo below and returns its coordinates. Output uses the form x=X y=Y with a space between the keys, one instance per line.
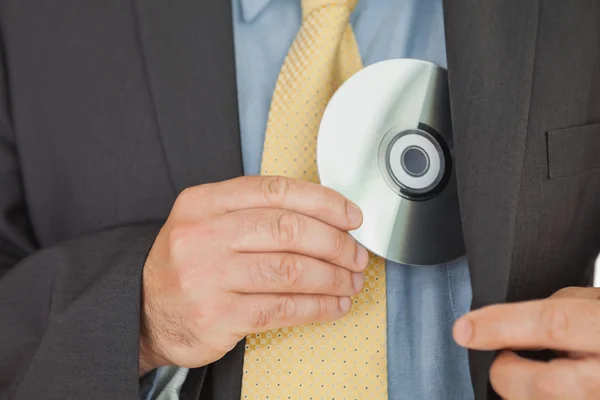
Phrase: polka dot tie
x=345 y=359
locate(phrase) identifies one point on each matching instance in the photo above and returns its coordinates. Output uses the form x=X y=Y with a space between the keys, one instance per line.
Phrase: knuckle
x=257 y=272
x=555 y=321
x=338 y=243
x=286 y=227
x=285 y=308
x=178 y=239
x=339 y=277
x=275 y=189
x=285 y=272
x=289 y=271
x=261 y=317
x=185 y=197
x=194 y=198
x=322 y=309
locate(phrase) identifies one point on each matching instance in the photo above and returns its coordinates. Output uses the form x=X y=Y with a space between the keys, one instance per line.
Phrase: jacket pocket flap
x=572 y=151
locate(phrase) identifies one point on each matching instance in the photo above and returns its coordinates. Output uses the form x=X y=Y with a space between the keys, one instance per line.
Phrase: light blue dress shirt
x=423 y=302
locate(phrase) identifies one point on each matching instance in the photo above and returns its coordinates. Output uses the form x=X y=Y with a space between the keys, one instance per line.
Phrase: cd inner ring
x=407 y=186
x=413 y=168
x=396 y=167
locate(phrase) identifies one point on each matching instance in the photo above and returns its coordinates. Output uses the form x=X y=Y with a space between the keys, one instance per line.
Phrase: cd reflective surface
x=385 y=142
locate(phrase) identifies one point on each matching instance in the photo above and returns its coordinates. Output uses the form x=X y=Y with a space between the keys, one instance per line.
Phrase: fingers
x=270 y=230
x=264 y=312
x=290 y=273
x=303 y=197
x=516 y=378
x=568 y=324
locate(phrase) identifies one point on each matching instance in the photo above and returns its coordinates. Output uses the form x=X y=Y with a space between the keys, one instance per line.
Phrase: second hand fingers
x=559 y=324
x=517 y=378
x=267 y=230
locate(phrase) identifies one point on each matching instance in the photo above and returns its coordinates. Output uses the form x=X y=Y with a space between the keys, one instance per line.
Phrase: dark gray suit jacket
x=109 y=108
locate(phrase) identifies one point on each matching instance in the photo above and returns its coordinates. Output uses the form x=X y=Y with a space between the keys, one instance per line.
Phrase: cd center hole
x=415 y=161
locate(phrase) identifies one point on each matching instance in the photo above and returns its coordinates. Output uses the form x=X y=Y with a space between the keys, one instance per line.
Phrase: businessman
x=137 y=260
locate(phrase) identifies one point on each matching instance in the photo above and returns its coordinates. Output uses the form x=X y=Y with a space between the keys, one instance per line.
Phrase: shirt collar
x=252 y=8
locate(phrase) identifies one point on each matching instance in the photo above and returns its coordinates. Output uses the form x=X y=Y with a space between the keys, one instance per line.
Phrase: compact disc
x=385 y=142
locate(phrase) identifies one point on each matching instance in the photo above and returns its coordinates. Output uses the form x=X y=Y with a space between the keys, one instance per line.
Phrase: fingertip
x=354 y=214
x=358 y=281
x=361 y=257
x=345 y=304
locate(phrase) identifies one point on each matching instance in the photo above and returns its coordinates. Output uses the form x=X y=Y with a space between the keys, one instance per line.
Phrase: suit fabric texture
x=85 y=83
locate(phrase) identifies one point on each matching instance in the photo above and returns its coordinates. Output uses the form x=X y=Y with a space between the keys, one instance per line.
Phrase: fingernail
x=345 y=304
x=463 y=331
x=354 y=213
x=358 y=281
x=361 y=257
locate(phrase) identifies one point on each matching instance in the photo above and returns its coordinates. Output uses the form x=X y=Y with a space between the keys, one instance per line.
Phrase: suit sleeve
x=69 y=314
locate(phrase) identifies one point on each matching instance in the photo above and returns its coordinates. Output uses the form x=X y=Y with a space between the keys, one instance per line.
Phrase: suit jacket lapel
x=491 y=54
x=188 y=46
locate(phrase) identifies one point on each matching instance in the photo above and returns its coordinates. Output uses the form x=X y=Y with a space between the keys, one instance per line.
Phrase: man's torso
x=117 y=106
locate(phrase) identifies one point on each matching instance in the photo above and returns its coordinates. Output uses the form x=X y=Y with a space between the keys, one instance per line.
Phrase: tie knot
x=309 y=6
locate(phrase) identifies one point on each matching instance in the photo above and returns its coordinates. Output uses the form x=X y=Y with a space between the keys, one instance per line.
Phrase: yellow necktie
x=345 y=359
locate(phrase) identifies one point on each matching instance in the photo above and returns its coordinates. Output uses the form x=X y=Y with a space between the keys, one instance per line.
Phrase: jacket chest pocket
x=573 y=151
